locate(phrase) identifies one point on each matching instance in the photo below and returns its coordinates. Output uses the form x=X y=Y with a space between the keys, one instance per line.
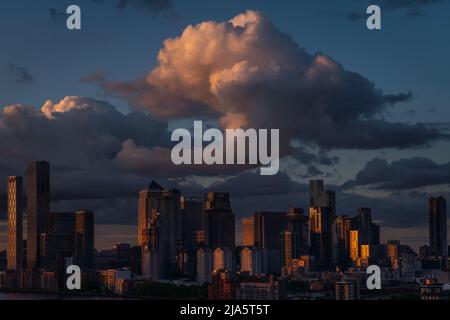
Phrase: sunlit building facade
x=15 y=222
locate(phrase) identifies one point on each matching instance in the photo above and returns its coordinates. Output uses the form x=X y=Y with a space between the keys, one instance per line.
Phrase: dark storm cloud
x=300 y=153
x=20 y=75
x=402 y=174
x=81 y=137
x=254 y=76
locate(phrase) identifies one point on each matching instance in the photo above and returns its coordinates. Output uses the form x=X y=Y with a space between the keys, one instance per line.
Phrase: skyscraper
x=437 y=215
x=38 y=209
x=298 y=225
x=59 y=242
x=268 y=226
x=193 y=223
x=204 y=265
x=159 y=209
x=248 y=231
x=288 y=246
x=220 y=220
x=251 y=261
x=15 y=222
x=84 y=238
x=321 y=220
x=315 y=192
x=365 y=227
x=223 y=259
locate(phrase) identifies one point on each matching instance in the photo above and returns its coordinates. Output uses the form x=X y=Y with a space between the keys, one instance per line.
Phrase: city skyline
x=107 y=129
x=190 y=237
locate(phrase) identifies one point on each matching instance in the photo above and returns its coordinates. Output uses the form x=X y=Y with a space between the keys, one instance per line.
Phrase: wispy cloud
x=21 y=75
x=412 y=8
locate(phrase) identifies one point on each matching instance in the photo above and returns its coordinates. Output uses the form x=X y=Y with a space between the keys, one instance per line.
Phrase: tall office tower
x=392 y=253
x=248 y=231
x=15 y=222
x=268 y=226
x=223 y=259
x=59 y=242
x=315 y=192
x=155 y=202
x=327 y=199
x=38 y=209
x=204 y=265
x=288 y=247
x=192 y=224
x=84 y=238
x=354 y=245
x=298 y=224
x=341 y=241
x=437 y=217
x=220 y=220
x=193 y=220
x=251 y=261
x=150 y=248
x=321 y=235
x=365 y=226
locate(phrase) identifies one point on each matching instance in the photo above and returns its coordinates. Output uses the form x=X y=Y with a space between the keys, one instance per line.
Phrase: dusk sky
x=367 y=111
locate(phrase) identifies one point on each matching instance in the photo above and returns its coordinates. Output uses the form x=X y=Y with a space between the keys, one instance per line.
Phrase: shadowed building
x=220 y=220
x=84 y=239
x=298 y=225
x=316 y=191
x=268 y=227
x=15 y=222
x=59 y=242
x=320 y=222
x=193 y=225
x=38 y=209
x=437 y=215
x=159 y=230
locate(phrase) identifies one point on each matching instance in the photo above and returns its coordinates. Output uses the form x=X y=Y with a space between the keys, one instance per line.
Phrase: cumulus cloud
x=75 y=133
x=402 y=174
x=246 y=73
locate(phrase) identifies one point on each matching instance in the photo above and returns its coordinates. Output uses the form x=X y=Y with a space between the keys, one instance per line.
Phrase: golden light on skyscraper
x=365 y=251
x=315 y=220
x=354 y=245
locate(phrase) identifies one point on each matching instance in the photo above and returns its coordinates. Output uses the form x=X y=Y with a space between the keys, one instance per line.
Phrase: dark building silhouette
x=437 y=215
x=320 y=222
x=38 y=209
x=220 y=221
x=15 y=222
x=193 y=222
x=369 y=232
x=84 y=239
x=316 y=191
x=268 y=227
x=298 y=225
x=159 y=230
x=58 y=243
